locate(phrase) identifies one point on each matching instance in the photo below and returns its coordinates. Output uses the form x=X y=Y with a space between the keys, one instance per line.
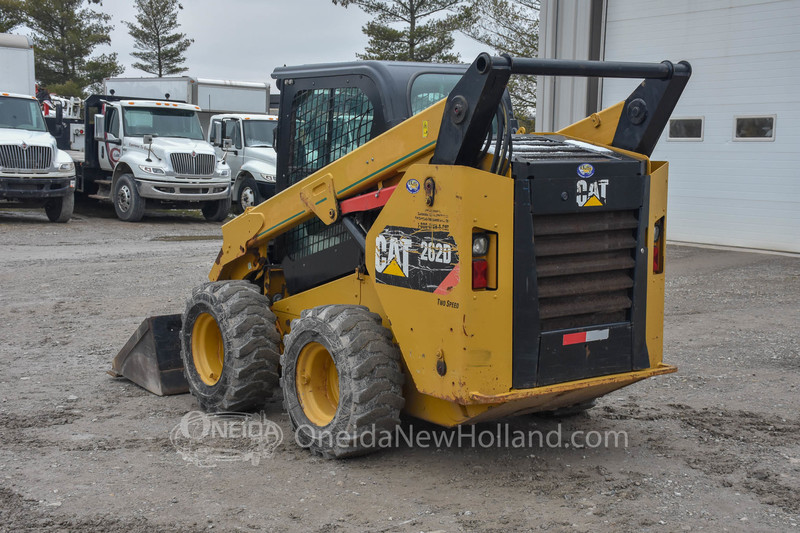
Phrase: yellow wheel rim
x=317 y=384
x=208 y=352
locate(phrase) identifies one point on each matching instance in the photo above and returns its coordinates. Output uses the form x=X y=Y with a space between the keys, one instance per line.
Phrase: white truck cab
x=155 y=151
x=32 y=168
x=251 y=155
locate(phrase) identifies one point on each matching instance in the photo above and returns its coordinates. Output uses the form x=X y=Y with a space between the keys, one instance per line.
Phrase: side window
x=685 y=129
x=233 y=130
x=322 y=125
x=327 y=124
x=113 y=122
x=212 y=133
x=754 y=128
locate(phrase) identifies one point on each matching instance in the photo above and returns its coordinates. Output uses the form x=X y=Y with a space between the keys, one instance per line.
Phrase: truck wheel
x=247 y=196
x=127 y=202
x=217 y=211
x=229 y=346
x=341 y=380
x=60 y=209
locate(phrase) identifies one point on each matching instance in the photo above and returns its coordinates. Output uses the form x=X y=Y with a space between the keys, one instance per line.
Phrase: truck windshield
x=21 y=114
x=258 y=132
x=182 y=123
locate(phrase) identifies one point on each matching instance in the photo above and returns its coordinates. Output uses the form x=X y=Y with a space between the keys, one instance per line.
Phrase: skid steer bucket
x=152 y=357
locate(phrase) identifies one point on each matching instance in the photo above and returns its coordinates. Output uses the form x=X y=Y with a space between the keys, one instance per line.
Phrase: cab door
x=232 y=129
x=109 y=150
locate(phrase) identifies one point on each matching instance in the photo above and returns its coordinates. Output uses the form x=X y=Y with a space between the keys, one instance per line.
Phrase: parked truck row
x=140 y=144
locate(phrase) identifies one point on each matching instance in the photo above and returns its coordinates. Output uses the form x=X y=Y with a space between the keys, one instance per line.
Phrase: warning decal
x=416 y=259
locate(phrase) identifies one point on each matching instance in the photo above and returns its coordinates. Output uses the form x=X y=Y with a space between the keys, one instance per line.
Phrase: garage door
x=734 y=142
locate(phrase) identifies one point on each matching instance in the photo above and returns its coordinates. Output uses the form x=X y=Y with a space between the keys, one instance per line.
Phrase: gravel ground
x=715 y=447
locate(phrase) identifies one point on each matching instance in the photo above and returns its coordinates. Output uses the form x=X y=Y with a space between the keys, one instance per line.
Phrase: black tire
x=60 y=209
x=128 y=205
x=246 y=196
x=368 y=401
x=248 y=373
x=217 y=210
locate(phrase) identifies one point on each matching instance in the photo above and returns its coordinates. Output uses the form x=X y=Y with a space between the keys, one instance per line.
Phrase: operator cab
x=326 y=111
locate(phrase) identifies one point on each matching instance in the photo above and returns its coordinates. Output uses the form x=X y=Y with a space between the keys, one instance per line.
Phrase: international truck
x=140 y=152
x=33 y=171
x=246 y=143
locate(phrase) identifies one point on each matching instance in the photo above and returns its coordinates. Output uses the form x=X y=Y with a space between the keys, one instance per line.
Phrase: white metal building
x=734 y=139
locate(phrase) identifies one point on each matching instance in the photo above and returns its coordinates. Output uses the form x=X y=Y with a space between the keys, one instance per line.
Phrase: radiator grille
x=584 y=266
x=31 y=158
x=197 y=165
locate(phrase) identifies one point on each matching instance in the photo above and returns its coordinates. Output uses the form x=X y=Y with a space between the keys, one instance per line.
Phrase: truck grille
x=194 y=165
x=31 y=158
x=584 y=264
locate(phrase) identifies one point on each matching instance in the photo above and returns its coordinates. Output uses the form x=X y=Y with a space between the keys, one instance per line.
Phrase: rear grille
x=32 y=158
x=194 y=165
x=584 y=266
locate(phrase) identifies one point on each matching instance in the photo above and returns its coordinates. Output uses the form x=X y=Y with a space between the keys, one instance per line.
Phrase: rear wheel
x=217 y=211
x=60 y=209
x=128 y=205
x=229 y=346
x=246 y=196
x=342 y=383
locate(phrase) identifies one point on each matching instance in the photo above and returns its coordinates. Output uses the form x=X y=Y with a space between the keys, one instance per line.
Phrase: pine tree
x=64 y=33
x=11 y=15
x=425 y=33
x=159 y=46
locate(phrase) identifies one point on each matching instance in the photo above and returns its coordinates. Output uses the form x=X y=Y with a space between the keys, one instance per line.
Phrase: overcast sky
x=245 y=40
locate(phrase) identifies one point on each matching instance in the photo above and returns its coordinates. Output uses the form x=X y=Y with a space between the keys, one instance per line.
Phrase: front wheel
x=127 y=202
x=229 y=346
x=217 y=211
x=60 y=209
x=341 y=381
x=246 y=196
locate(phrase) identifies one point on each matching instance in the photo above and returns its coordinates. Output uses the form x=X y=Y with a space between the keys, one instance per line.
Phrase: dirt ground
x=715 y=447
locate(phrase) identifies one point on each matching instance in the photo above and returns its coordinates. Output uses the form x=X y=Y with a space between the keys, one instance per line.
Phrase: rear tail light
x=658 y=246
x=480 y=269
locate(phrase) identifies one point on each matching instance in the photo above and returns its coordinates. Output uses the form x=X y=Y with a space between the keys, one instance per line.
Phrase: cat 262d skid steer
x=422 y=255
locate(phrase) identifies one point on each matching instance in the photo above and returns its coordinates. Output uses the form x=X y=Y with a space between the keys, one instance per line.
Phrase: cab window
x=234 y=133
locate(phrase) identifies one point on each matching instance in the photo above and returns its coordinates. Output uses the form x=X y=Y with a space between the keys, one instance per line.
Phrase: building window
x=754 y=128
x=685 y=129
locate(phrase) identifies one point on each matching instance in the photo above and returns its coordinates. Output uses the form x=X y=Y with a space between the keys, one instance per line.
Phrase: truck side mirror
x=99 y=128
x=227 y=144
x=275 y=138
x=216 y=138
x=59 y=112
x=147 y=139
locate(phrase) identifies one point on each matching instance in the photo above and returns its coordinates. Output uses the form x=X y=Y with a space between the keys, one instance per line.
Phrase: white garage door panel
x=745 y=57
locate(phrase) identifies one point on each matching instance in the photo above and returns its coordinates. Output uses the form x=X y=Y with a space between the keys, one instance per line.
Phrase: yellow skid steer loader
x=423 y=255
